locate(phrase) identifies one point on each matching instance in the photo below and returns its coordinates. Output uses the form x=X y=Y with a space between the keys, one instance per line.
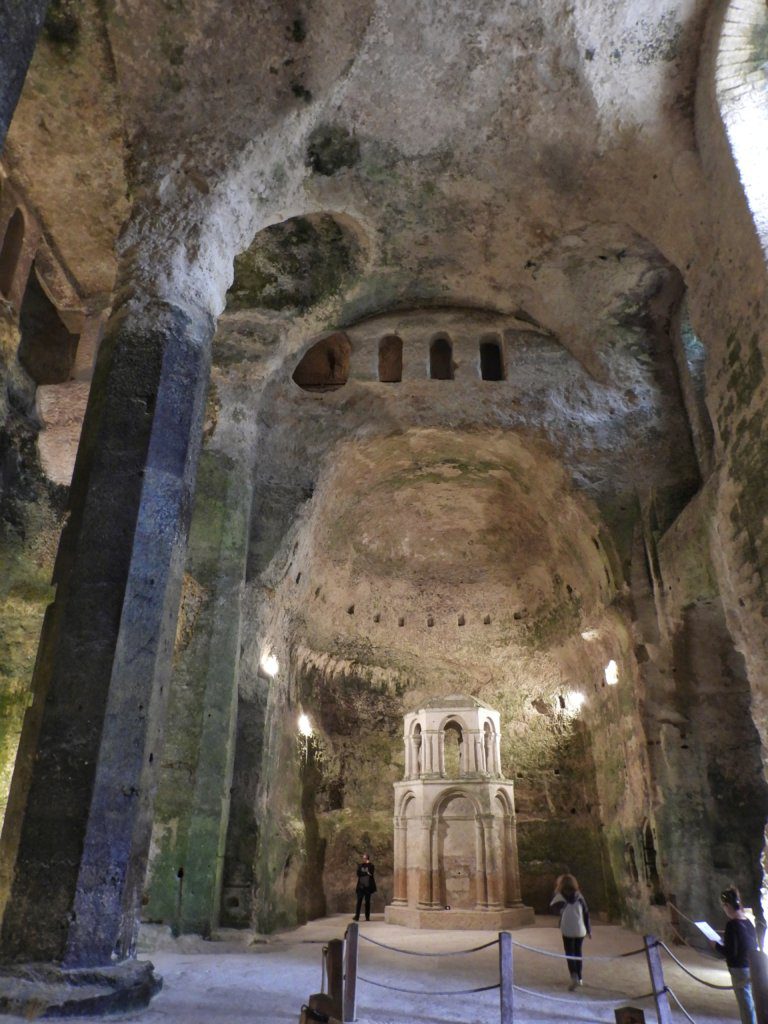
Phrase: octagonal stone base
x=481 y=920
x=47 y=990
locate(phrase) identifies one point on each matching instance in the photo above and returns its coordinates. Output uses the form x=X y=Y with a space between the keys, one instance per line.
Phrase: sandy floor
x=265 y=981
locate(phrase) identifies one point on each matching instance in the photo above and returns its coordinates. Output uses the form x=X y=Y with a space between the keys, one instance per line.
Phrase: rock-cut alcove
x=430 y=562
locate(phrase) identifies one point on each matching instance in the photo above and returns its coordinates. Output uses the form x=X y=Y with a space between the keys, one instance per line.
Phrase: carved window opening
x=391 y=359
x=325 y=366
x=46 y=349
x=417 y=749
x=453 y=750
x=11 y=251
x=491 y=359
x=441 y=359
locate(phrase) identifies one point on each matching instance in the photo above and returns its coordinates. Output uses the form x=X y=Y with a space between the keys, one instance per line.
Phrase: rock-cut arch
x=742 y=99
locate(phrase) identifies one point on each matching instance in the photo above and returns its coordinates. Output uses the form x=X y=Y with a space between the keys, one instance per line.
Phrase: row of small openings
x=461 y=620
x=325 y=366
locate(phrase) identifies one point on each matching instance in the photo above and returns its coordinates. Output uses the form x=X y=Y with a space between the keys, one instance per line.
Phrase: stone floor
x=247 y=979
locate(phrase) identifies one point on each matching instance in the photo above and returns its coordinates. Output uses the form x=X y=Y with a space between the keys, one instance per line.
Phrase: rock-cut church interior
x=355 y=355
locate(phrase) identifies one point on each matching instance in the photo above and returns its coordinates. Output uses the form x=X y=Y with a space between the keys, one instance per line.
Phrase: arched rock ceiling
x=497 y=149
x=431 y=526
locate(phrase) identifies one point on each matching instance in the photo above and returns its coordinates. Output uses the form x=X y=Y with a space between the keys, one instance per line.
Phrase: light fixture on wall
x=611 y=673
x=305 y=726
x=269 y=664
x=574 y=701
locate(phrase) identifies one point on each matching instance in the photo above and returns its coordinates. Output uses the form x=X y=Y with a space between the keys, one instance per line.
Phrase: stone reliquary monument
x=455 y=835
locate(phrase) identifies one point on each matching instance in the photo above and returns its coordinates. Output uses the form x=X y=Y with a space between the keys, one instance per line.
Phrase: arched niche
x=491 y=358
x=13 y=242
x=46 y=348
x=457 y=837
x=453 y=745
x=441 y=358
x=391 y=359
x=325 y=366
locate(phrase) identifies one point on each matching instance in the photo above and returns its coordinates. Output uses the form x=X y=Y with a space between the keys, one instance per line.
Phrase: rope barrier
x=570 y=1001
x=414 y=952
x=681 y=965
x=564 y=956
x=427 y=991
x=682 y=1008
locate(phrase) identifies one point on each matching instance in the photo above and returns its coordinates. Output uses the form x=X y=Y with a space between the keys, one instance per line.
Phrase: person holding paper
x=738 y=939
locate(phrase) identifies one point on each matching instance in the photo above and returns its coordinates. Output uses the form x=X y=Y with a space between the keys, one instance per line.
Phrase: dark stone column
x=20 y=24
x=82 y=794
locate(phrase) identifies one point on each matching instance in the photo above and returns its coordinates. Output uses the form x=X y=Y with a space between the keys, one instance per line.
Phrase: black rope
x=429 y=991
x=413 y=952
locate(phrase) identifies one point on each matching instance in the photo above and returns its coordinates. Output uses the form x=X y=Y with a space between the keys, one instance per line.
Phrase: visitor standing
x=366 y=886
x=738 y=939
x=574 y=923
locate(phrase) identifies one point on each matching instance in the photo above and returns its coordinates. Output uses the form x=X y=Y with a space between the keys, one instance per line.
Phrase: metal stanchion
x=350 y=973
x=656 y=971
x=506 y=978
x=336 y=976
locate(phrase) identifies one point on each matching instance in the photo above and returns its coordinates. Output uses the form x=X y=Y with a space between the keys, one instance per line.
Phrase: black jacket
x=365 y=880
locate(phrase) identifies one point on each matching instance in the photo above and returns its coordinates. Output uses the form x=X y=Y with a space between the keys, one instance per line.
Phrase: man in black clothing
x=366 y=887
x=738 y=939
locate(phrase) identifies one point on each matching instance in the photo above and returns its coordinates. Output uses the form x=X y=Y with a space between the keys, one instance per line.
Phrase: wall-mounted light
x=611 y=673
x=305 y=726
x=574 y=702
x=269 y=664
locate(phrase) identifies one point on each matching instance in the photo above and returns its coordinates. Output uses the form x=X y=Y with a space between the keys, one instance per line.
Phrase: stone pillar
x=21 y=23
x=425 y=864
x=512 y=895
x=88 y=344
x=493 y=874
x=401 y=863
x=83 y=790
x=193 y=797
x=481 y=889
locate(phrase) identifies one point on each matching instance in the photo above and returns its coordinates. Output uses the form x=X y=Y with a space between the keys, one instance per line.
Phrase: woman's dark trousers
x=573 y=952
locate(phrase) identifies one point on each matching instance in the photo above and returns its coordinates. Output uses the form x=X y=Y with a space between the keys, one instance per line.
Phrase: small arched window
x=325 y=366
x=441 y=359
x=47 y=349
x=491 y=359
x=452 y=748
x=11 y=251
x=417 y=749
x=391 y=359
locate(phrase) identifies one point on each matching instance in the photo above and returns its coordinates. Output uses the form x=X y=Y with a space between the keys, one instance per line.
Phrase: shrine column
x=77 y=837
x=401 y=863
x=481 y=882
x=512 y=897
x=426 y=865
x=493 y=875
x=21 y=23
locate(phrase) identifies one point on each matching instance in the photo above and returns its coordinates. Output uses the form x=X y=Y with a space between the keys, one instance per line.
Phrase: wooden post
x=656 y=971
x=506 y=978
x=758 y=974
x=350 y=973
x=335 y=963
